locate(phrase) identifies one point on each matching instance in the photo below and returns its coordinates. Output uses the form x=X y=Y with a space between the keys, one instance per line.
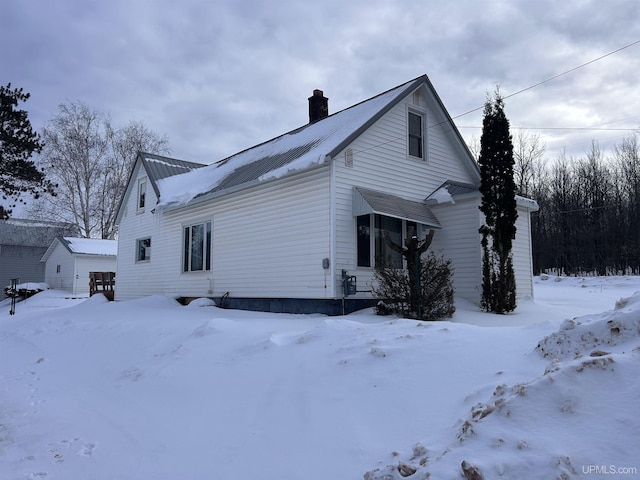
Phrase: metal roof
x=367 y=201
x=159 y=167
x=33 y=233
x=263 y=165
x=300 y=149
x=306 y=147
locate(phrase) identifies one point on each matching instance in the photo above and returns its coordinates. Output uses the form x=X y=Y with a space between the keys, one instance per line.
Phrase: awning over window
x=371 y=201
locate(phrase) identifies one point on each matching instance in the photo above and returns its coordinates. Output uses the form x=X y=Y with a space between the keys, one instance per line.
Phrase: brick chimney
x=318 y=106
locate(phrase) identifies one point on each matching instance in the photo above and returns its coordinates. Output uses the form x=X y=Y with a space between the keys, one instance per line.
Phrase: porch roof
x=367 y=201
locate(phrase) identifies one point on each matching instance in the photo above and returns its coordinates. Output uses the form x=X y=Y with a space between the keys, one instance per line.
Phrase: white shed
x=68 y=261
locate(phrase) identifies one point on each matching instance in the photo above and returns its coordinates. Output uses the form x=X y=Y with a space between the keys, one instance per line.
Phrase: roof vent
x=318 y=106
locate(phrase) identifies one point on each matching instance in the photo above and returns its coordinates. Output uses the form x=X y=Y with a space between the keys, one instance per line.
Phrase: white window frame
x=206 y=248
x=422 y=114
x=141 y=198
x=147 y=250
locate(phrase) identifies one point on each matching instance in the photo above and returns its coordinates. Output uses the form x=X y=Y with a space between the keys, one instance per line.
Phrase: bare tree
x=125 y=145
x=91 y=163
x=528 y=155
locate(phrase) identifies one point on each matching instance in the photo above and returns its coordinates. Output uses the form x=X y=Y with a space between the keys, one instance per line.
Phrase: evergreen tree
x=498 y=205
x=18 y=142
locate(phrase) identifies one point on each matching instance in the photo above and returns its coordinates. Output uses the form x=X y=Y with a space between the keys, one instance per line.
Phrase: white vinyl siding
x=459 y=241
x=132 y=276
x=380 y=162
x=522 y=260
x=62 y=280
x=90 y=263
x=267 y=242
x=74 y=269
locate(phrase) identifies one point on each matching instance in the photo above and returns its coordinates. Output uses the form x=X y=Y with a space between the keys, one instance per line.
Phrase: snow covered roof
x=300 y=149
x=83 y=246
x=527 y=203
x=32 y=233
x=449 y=190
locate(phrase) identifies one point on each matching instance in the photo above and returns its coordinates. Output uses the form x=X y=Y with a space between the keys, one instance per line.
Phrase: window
x=142 y=194
x=143 y=250
x=364 y=240
x=416 y=144
x=391 y=228
x=395 y=229
x=58 y=267
x=197 y=247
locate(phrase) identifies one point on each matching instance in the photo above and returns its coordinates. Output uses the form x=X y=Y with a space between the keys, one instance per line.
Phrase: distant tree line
x=589 y=217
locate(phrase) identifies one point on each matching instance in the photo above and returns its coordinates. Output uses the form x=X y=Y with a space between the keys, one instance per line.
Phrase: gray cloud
x=222 y=76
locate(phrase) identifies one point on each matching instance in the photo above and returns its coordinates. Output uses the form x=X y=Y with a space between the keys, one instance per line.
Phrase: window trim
x=147 y=250
x=207 y=247
x=422 y=114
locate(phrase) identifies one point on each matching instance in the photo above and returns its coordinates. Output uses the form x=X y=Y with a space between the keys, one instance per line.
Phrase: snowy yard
x=149 y=389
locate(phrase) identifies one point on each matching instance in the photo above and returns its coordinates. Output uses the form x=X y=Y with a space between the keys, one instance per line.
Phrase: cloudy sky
x=220 y=76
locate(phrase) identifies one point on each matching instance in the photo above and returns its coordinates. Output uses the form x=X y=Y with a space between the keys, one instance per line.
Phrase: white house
x=68 y=261
x=280 y=226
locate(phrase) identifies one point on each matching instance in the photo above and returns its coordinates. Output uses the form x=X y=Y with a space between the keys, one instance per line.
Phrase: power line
x=573 y=69
x=513 y=94
x=562 y=128
x=552 y=78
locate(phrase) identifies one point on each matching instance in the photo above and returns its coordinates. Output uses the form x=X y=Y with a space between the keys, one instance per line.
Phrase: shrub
x=394 y=286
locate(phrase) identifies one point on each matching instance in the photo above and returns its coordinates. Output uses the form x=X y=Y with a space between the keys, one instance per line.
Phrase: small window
x=142 y=194
x=58 y=268
x=196 y=256
x=416 y=145
x=143 y=250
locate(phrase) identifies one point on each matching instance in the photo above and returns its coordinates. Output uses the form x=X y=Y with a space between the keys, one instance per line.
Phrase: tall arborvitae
x=498 y=190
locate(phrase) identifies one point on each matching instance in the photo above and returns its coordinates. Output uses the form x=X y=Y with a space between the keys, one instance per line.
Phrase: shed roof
x=83 y=246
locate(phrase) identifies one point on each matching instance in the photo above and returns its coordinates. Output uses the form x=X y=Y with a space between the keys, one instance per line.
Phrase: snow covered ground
x=149 y=389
